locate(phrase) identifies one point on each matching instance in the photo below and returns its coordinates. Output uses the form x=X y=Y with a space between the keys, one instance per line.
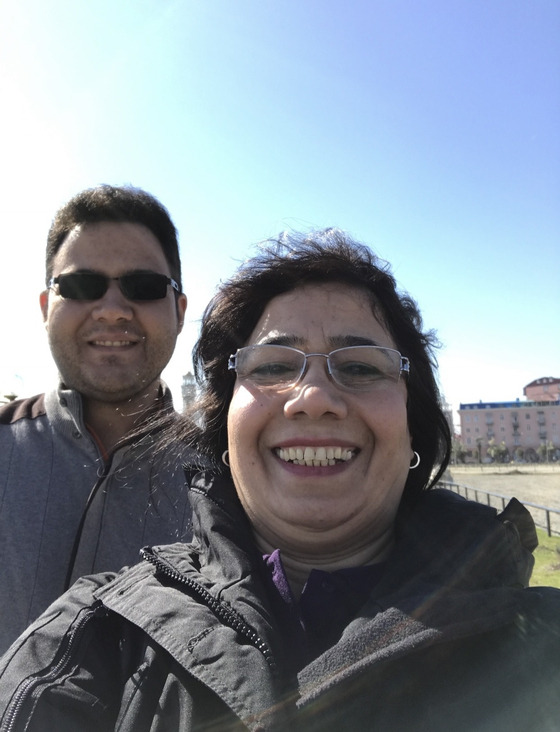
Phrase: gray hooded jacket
x=65 y=512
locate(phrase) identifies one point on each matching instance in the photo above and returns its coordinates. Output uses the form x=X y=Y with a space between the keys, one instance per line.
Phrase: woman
x=326 y=587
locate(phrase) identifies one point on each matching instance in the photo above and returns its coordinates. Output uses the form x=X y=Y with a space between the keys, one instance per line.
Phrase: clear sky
x=428 y=129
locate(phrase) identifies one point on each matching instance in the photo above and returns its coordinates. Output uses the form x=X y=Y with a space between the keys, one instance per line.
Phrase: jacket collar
x=445 y=539
x=456 y=571
x=64 y=408
x=441 y=539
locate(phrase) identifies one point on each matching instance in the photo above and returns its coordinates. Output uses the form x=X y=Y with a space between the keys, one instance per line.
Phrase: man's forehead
x=111 y=244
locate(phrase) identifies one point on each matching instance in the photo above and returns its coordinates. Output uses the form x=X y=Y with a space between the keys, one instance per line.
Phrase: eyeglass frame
x=169 y=281
x=404 y=367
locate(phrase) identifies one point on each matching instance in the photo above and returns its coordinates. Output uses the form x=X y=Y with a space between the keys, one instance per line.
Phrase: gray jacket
x=188 y=639
x=64 y=512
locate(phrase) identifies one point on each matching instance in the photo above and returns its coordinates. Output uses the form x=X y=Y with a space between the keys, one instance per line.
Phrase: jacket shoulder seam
x=30 y=408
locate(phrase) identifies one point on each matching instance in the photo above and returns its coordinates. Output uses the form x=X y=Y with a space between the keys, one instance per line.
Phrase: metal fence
x=543 y=516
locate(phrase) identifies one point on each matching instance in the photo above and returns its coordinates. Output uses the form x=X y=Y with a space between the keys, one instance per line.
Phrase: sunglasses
x=92 y=285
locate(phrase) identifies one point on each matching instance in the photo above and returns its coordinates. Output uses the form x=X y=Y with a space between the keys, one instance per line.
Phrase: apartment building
x=546 y=389
x=528 y=430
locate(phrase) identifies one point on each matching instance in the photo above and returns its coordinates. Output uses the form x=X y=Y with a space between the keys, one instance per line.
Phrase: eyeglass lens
x=356 y=367
x=92 y=286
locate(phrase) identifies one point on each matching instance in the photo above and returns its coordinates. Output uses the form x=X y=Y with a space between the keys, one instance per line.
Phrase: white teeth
x=112 y=343
x=314 y=456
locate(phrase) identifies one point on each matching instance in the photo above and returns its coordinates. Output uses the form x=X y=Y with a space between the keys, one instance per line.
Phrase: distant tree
x=503 y=452
x=458 y=450
x=546 y=450
x=531 y=455
x=519 y=454
x=492 y=450
x=479 y=448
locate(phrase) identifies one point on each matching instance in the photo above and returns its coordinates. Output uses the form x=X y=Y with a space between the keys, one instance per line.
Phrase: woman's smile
x=317 y=455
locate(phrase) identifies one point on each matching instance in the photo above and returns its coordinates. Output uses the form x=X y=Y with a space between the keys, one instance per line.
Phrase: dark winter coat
x=187 y=639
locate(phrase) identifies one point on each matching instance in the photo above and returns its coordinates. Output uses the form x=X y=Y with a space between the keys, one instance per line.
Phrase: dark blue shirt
x=329 y=601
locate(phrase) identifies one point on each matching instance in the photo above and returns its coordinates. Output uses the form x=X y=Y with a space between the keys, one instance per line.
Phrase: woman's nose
x=316 y=394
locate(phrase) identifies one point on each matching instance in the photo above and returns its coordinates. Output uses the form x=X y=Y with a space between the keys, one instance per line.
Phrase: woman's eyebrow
x=340 y=341
x=345 y=341
x=283 y=340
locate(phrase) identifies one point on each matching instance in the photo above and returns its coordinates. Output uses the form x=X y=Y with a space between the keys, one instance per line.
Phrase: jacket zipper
x=32 y=684
x=224 y=612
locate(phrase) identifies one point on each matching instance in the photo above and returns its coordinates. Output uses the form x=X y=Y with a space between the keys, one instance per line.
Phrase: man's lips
x=112 y=344
x=114 y=339
x=315 y=456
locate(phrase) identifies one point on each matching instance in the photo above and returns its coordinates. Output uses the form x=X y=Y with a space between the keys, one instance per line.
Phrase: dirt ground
x=538 y=484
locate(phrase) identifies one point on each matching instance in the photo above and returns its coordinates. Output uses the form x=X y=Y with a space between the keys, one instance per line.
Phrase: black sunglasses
x=92 y=285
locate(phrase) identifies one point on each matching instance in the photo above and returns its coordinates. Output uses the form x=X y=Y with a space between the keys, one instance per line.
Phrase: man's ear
x=44 y=303
x=181 y=310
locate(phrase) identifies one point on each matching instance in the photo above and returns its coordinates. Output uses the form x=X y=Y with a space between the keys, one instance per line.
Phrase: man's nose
x=113 y=305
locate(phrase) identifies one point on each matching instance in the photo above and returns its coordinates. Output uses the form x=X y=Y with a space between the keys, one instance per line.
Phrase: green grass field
x=547 y=561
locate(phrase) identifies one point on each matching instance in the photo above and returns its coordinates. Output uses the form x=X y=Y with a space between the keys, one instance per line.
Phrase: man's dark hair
x=283 y=265
x=124 y=204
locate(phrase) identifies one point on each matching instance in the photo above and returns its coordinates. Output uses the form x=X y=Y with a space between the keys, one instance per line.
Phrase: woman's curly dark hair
x=282 y=265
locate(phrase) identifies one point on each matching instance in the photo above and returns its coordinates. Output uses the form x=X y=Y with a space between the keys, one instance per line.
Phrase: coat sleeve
x=63 y=672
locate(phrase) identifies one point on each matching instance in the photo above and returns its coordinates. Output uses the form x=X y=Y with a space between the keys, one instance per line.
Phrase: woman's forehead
x=332 y=311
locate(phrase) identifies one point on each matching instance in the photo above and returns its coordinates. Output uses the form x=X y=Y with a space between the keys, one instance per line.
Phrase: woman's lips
x=315 y=456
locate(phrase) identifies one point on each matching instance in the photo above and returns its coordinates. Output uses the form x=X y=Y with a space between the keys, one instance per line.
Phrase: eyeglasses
x=93 y=285
x=356 y=367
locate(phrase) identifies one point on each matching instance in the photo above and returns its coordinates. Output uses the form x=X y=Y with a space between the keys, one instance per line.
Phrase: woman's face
x=332 y=507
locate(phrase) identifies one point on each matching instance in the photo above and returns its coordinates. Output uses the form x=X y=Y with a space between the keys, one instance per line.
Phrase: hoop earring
x=417 y=463
x=225 y=457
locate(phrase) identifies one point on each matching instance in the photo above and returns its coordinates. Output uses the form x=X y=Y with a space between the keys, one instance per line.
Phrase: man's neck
x=111 y=422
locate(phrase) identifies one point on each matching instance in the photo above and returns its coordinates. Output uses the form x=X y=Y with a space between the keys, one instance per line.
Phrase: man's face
x=112 y=349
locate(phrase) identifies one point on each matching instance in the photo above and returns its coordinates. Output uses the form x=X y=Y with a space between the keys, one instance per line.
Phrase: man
x=82 y=485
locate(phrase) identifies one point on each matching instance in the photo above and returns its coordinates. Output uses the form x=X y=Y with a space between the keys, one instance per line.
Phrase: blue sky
x=428 y=129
